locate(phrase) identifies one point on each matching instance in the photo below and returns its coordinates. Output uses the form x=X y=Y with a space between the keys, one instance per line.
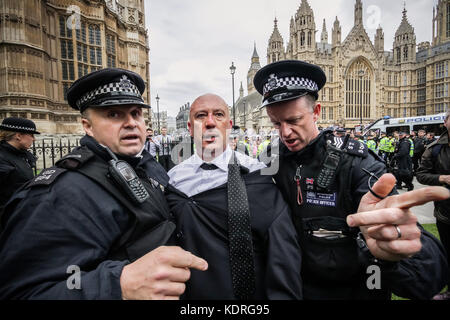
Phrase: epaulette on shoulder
x=357 y=148
x=349 y=146
x=46 y=177
x=75 y=159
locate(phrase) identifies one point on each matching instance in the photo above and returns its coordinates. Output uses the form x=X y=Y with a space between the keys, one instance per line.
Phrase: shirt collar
x=221 y=161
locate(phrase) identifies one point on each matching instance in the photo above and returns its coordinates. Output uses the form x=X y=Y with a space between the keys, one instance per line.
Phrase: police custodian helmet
x=107 y=87
x=288 y=80
x=18 y=125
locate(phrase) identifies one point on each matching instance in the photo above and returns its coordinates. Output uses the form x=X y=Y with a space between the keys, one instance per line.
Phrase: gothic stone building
x=364 y=82
x=45 y=45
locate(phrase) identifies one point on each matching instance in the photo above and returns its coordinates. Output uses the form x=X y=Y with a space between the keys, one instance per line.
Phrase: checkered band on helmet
x=126 y=89
x=17 y=127
x=295 y=82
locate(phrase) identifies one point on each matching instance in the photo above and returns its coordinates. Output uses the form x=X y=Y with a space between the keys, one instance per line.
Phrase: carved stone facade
x=365 y=82
x=45 y=45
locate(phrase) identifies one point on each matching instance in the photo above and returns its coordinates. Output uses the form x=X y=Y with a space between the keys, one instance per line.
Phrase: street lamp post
x=233 y=70
x=245 y=124
x=157 y=106
x=361 y=74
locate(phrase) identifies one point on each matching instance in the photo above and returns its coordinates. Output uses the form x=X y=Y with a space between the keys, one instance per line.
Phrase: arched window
x=302 y=39
x=309 y=39
x=405 y=53
x=358 y=90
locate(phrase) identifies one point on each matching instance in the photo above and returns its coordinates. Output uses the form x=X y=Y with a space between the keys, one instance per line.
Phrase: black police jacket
x=202 y=228
x=16 y=168
x=334 y=266
x=402 y=155
x=64 y=222
x=436 y=162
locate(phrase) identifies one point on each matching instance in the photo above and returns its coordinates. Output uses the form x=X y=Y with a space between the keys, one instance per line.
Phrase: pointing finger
x=415 y=198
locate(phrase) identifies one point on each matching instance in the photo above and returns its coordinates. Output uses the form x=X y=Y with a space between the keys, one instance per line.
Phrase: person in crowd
x=347 y=221
x=384 y=146
x=404 y=162
x=97 y=225
x=215 y=195
x=429 y=138
x=16 y=162
x=256 y=146
x=371 y=144
x=419 y=149
x=151 y=145
x=411 y=148
x=434 y=170
x=340 y=132
x=165 y=148
x=246 y=145
x=393 y=137
x=263 y=146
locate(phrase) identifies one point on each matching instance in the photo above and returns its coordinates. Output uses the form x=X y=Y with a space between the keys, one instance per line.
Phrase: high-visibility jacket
x=263 y=146
x=411 y=150
x=385 y=144
x=372 y=145
x=392 y=146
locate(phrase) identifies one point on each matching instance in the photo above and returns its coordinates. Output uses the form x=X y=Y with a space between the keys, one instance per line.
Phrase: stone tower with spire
x=379 y=40
x=404 y=42
x=254 y=67
x=324 y=35
x=336 y=33
x=241 y=91
x=441 y=22
x=275 y=50
x=302 y=41
x=358 y=13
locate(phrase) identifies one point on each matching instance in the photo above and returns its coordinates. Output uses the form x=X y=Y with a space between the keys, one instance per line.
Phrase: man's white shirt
x=190 y=179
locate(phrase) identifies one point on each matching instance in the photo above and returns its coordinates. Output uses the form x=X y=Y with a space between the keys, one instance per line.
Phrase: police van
x=431 y=123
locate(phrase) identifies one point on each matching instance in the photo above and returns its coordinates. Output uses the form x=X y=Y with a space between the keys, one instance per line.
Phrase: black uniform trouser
x=166 y=162
x=406 y=176
x=444 y=234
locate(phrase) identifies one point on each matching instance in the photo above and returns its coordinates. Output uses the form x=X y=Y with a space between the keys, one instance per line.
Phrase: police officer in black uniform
x=95 y=226
x=16 y=162
x=404 y=172
x=326 y=179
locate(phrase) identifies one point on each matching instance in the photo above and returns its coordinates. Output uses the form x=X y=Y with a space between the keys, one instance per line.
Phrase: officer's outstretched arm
x=159 y=275
x=389 y=226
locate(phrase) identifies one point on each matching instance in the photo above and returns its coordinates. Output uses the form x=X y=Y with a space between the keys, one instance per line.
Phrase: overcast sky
x=192 y=43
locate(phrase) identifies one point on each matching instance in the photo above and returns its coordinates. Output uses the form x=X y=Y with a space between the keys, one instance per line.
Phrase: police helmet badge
x=125 y=82
x=272 y=83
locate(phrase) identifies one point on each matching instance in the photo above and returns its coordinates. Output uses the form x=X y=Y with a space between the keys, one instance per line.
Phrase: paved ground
x=424 y=213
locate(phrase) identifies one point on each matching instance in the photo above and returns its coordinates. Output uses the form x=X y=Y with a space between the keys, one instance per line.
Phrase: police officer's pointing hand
x=389 y=227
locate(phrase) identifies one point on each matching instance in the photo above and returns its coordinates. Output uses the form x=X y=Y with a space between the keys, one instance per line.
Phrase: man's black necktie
x=240 y=234
x=209 y=166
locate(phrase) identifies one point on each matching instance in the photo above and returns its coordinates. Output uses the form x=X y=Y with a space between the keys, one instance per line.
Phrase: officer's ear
x=86 y=123
x=316 y=112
